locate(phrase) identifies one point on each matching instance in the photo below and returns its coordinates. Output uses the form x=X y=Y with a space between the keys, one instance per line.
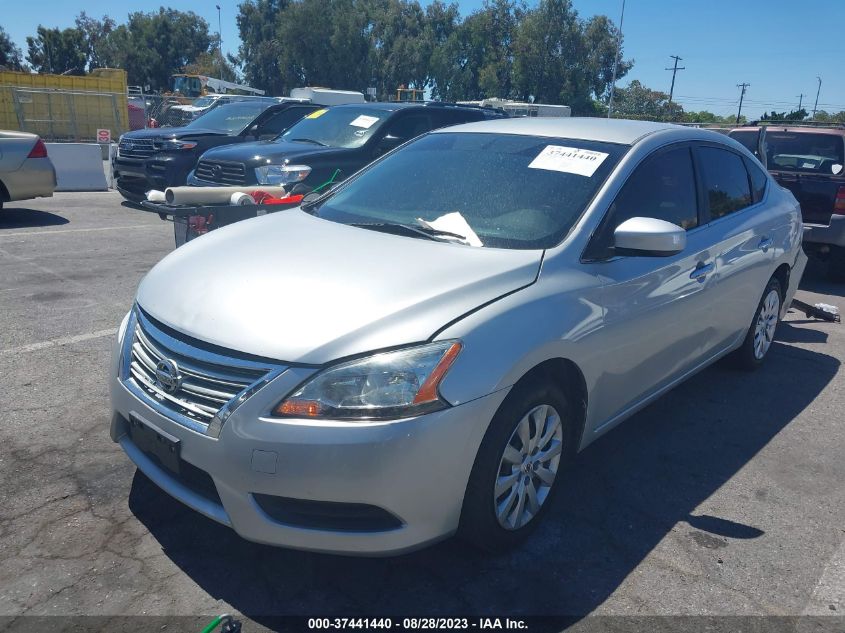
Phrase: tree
x=99 y=50
x=825 y=117
x=260 y=50
x=562 y=59
x=54 y=51
x=640 y=102
x=152 y=46
x=795 y=115
x=10 y=55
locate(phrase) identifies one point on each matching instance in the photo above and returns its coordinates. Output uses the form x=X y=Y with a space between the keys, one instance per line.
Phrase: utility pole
x=741 y=96
x=220 y=42
x=800 y=101
x=674 y=70
x=816 y=105
x=615 y=62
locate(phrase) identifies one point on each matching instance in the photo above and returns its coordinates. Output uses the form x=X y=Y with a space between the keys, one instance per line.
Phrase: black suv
x=329 y=145
x=163 y=157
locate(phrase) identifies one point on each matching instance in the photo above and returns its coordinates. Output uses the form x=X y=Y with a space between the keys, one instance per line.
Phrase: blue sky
x=778 y=49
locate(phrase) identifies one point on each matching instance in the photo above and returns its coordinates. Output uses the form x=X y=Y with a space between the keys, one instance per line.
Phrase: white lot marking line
x=61 y=231
x=65 y=340
x=830 y=589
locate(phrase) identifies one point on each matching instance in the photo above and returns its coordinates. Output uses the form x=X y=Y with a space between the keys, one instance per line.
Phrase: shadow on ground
x=623 y=495
x=19 y=218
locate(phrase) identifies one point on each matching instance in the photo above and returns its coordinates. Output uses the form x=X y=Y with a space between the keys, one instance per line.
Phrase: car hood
x=263 y=152
x=172 y=133
x=300 y=289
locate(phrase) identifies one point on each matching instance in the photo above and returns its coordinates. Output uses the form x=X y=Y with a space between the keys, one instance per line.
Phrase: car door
x=746 y=235
x=657 y=310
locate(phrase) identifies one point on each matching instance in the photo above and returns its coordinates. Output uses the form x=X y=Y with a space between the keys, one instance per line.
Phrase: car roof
x=392 y=106
x=801 y=129
x=621 y=131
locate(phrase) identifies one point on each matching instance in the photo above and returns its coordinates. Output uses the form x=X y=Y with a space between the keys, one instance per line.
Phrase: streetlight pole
x=220 y=41
x=615 y=62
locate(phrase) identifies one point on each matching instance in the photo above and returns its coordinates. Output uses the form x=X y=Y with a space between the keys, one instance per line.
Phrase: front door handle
x=700 y=272
x=765 y=244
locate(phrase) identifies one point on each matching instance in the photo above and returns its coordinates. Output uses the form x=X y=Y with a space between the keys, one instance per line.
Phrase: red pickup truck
x=810 y=162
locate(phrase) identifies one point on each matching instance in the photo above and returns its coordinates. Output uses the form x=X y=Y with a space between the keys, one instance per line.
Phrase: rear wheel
x=761 y=333
x=529 y=443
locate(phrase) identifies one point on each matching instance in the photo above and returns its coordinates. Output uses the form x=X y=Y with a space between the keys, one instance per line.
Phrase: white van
x=327 y=96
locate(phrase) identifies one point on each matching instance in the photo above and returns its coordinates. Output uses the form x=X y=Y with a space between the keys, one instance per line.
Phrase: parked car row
x=422 y=350
x=293 y=142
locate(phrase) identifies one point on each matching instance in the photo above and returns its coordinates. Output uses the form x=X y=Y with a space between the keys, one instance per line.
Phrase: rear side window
x=409 y=126
x=662 y=187
x=758 y=180
x=749 y=139
x=726 y=186
x=809 y=152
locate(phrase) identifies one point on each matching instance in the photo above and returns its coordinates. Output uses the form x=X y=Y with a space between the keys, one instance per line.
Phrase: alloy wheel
x=528 y=467
x=767 y=321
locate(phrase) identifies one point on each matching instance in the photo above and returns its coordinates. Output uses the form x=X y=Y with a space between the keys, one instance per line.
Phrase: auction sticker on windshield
x=364 y=121
x=570 y=160
x=316 y=114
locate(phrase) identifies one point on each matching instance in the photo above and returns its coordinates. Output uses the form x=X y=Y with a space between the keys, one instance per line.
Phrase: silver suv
x=425 y=348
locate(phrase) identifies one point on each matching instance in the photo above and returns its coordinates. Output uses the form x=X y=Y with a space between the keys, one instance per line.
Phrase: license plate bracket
x=162 y=446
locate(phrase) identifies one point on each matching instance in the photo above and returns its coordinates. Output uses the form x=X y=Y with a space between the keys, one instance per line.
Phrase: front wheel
x=530 y=441
x=761 y=333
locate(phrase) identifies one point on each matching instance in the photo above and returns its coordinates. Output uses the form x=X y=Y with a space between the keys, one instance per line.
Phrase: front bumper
x=832 y=234
x=159 y=172
x=415 y=469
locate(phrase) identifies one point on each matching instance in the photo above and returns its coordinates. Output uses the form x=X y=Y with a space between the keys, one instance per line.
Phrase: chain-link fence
x=62 y=115
x=148 y=110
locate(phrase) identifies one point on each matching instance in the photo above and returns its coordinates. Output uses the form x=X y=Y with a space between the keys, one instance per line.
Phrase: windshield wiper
x=415 y=229
x=309 y=140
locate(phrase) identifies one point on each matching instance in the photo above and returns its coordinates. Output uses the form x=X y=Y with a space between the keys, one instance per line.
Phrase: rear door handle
x=765 y=244
x=700 y=272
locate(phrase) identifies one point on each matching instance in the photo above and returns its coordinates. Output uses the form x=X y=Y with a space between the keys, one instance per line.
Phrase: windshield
x=337 y=127
x=231 y=117
x=519 y=192
x=188 y=86
x=203 y=102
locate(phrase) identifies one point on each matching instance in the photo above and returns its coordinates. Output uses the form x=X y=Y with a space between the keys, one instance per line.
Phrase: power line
x=743 y=85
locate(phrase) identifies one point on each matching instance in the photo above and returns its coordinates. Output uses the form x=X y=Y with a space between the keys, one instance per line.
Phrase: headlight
x=385 y=386
x=169 y=146
x=281 y=174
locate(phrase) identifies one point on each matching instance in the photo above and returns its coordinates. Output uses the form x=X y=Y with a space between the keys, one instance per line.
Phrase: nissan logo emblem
x=168 y=376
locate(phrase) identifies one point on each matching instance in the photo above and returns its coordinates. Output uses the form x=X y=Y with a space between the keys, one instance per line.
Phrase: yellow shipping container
x=65 y=107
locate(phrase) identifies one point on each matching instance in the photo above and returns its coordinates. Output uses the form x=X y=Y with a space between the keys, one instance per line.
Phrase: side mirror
x=649 y=237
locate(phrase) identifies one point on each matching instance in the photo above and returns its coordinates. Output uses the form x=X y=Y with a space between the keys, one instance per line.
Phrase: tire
x=836 y=264
x=480 y=523
x=762 y=330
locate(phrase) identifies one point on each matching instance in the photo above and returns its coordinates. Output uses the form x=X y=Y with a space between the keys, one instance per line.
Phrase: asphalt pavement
x=724 y=498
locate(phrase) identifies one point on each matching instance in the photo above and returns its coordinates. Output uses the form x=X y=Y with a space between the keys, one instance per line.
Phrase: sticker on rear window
x=316 y=114
x=364 y=121
x=570 y=160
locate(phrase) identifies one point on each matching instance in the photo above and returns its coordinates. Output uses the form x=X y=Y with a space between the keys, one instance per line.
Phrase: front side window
x=511 y=191
x=279 y=122
x=662 y=187
x=726 y=184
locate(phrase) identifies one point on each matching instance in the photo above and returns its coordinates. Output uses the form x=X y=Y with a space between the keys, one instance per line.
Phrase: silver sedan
x=25 y=169
x=422 y=351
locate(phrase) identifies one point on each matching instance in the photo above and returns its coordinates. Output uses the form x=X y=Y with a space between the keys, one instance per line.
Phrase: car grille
x=135 y=148
x=204 y=387
x=220 y=171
